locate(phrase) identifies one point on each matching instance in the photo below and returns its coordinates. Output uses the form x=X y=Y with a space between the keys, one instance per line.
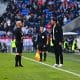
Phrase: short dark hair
x=41 y=25
x=54 y=19
x=19 y=20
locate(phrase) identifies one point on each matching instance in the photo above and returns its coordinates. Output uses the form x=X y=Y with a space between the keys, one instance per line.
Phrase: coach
x=57 y=39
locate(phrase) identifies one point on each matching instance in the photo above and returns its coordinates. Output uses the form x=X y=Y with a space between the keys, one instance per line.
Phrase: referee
x=19 y=43
x=41 y=43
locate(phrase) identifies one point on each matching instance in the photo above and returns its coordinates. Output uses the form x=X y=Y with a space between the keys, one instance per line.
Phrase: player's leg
x=20 y=59
x=20 y=56
x=45 y=55
x=40 y=51
x=16 y=60
x=40 y=55
x=56 y=56
x=61 y=55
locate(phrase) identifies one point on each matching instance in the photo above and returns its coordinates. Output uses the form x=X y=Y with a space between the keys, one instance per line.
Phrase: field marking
x=63 y=70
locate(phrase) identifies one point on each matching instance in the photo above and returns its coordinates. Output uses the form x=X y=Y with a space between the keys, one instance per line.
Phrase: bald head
x=19 y=24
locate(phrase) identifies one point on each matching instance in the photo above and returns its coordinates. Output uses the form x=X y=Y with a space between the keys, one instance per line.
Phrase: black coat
x=58 y=34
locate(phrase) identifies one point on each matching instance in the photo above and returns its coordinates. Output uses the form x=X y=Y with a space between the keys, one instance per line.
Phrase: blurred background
x=39 y=12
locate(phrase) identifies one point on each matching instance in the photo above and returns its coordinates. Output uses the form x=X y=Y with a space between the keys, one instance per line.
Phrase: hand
x=23 y=37
x=44 y=46
x=37 y=46
x=47 y=43
x=60 y=43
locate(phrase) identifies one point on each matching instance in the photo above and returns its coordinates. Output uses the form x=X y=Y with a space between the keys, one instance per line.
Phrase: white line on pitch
x=63 y=70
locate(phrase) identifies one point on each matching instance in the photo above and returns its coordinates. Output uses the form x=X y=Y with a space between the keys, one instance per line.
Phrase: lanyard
x=53 y=32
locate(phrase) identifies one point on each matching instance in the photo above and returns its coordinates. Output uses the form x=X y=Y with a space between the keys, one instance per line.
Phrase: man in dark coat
x=57 y=39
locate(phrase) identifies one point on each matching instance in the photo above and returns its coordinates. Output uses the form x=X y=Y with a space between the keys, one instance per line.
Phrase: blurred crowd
x=37 y=12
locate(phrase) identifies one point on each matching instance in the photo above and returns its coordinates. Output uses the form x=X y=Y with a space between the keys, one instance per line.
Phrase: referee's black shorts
x=19 y=47
x=41 y=48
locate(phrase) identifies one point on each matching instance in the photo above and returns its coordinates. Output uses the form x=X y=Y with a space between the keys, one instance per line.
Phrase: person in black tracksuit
x=41 y=43
x=19 y=43
x=57 y=39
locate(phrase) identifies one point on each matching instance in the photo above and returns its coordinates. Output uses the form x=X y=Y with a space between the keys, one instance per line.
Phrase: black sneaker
x=16 y=65
x=41 y=60
x=21 y=66
x=44 y=59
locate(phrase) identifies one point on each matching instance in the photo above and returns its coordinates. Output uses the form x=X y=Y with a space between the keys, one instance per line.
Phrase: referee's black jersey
x=42 y=39
x=18 y=35
x=19 y=41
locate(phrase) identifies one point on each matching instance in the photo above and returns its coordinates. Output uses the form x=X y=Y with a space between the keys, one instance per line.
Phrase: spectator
x=36 y=12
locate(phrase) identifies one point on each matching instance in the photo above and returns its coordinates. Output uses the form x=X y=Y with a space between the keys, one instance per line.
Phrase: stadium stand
x=35 y=12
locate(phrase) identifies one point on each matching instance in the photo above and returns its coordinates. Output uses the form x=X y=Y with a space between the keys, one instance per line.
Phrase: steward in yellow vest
x=13 y=45
x=65 y=44
x=74 y=45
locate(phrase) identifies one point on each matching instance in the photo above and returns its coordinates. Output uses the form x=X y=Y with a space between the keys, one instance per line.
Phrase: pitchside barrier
x=27 y=44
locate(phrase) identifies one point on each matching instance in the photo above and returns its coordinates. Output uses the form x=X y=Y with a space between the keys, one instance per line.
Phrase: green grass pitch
x=36 y=71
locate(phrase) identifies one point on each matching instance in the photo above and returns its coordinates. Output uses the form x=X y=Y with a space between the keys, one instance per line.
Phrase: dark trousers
x=58 y=54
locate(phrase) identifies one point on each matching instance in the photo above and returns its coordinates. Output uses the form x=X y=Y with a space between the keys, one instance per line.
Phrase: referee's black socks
x=40 y=56
x=45 y=56
x=20 y=61
x=16 y=60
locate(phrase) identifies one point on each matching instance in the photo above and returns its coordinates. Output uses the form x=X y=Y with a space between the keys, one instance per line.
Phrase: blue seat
x=20 y=0
x=27 y=1
x=24 y=12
